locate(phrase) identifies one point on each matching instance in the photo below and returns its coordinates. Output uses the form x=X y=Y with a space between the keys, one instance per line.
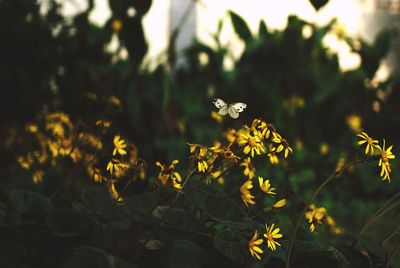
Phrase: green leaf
x=174 y=216
x=30 y=203
x=100 y=203
x=317 y=4
x=138 y=206
x=187 y=254
x=229 y=243
x=355 y=257
x=262 y=30
x=240 y=26
x=89 y=257
x=66 y=222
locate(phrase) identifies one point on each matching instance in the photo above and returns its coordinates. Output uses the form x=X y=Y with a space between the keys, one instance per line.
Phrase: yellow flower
x=115 y=101
x=41 y=156
x=279 y=204
x=37 y=176
x=245 y=193
x=251 y=143
x=204 y=157
x=324 y=148
x=249 y=169
x=265 y=186
x=315 y=216
x=25 y=162
x=332 y=225
x=91 y=139
x=219 y=118
x=65 y=146
x=216 y=175
x=168 y=174
x=371 y=143
x=76 y=155
x=263 y=128
x=119 y=146
x=226 y=153
x=32 y=128
x=386 y=155
x=231 y=135
x=116 y=165
x=116 y=25
x=273 y=158
x=96 y=174
x=354 y=122
x=254 y=248
x=283 y=145
x=270 y=235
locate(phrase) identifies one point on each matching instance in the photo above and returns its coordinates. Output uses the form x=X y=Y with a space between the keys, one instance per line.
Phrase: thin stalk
x=299 y=220
x=371 y=222
x=366 y=225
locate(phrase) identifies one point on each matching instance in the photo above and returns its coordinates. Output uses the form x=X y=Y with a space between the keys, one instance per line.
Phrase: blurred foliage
x=54 y=63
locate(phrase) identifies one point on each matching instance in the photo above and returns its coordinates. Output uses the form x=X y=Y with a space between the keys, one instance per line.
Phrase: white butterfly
x=233 y=109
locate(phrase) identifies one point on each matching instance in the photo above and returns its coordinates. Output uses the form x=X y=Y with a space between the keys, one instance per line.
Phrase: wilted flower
x=37 y=176
x=25 y=161
x=245 y=193
x=116 y=165
x=113 y=191
x=168 y=174
x=283 y=145
x=103 y=123
x=315 y=216
x=249 y=169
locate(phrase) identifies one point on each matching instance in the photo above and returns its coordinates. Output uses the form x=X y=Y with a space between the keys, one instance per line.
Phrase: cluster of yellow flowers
x=59 y=138
x=318 y=215
x=244 y=144
x=270 y=235
x=373 y=147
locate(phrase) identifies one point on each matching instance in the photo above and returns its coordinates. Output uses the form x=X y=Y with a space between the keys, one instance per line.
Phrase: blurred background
x=321 y=71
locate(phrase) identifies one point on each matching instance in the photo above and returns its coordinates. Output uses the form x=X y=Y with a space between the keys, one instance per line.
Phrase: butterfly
x=232 y=109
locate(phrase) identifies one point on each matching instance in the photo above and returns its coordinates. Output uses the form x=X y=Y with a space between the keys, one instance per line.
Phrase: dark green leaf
x=30 y=203
x=138 y=206
x=187 y=254
x=317 y=4
x=89 y=257
x=100 y=203
x=66 y=222
x=240 y=26
x=174 y=216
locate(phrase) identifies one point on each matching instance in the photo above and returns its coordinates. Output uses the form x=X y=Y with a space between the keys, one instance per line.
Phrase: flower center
x=252 y=142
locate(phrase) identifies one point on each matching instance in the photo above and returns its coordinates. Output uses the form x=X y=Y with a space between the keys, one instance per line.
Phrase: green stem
x=368 y=223
x=371 y=222
x=299 y=220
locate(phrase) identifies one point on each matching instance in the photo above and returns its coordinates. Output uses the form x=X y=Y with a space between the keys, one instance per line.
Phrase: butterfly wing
x=232 y=112
x=236 y=108
x=239 y=106
x=221 y=105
